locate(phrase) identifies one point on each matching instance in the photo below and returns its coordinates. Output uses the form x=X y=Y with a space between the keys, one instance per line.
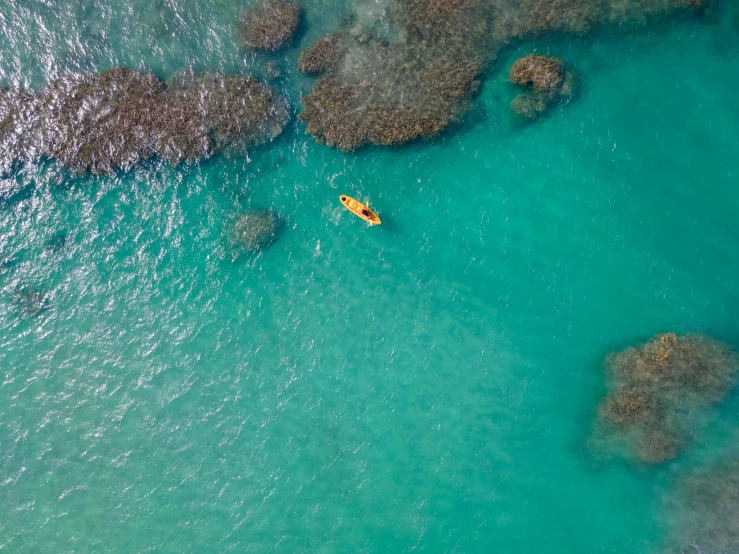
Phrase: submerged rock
x=254 y=231
x=57 y=242
x=673 y=364
x=631 y=405
x=269 y=25
x=531 y=104
x=547 y=82
x=31 y=301
x=272 y=71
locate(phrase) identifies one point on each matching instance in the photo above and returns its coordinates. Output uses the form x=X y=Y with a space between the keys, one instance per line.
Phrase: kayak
x=360 y=210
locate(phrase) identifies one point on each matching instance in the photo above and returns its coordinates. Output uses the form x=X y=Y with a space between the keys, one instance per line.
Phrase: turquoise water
x=427 y=384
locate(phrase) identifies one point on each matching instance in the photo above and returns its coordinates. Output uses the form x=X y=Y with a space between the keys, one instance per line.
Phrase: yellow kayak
x=360 y=210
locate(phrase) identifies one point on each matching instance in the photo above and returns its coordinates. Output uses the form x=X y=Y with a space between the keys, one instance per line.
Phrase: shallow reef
x=542 y=73
x=31 y=301
x=708 y=504
x=546 y=82
x=348 y=113
x=209 y=113
x=57 y=242
x=18 y=127
x=269 y=25
x=364 y=97
x=531 y=104
x=103 y=123
x=653 y=386
x=254 y=231
x=322 y=56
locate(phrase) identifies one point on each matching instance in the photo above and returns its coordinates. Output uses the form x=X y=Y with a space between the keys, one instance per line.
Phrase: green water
x=429 y=384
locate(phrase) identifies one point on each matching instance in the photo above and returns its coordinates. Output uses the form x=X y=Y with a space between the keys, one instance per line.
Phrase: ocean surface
x=429 y=384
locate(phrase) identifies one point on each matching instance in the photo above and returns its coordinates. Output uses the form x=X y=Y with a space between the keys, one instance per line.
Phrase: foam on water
x=428 y=383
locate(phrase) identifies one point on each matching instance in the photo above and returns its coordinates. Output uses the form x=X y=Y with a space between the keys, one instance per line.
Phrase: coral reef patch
x=269 y=25
x=546 y=82
x=103 y=123
x=348 y=113
x=254 y=231
x=541 y=73
x=365 y=97
x=100 y=123
x=209 y=113
x=654 y=385
x=322 y=56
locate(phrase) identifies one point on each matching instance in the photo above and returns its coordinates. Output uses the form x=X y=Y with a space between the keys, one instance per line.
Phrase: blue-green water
x=427 y=384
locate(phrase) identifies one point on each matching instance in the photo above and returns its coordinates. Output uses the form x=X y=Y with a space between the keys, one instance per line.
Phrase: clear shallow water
x=429 y=383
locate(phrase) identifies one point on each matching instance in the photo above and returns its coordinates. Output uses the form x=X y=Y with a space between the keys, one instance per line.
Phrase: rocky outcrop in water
x=269 y=25
x=653 y=387
x=102 y=123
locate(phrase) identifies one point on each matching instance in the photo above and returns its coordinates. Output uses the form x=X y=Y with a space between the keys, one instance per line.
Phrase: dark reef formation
x=350 y=114
x=102 y=123
x=269 y=25
x=31 y=302
x=708 y=504
x=386 y=82
x=419 y=81
x=546 y=82
x=653 y=386
x=254 y=231
x=19 y=141
x=57 y=242
x=322 y=56
x=541 y=73
x=214 y=113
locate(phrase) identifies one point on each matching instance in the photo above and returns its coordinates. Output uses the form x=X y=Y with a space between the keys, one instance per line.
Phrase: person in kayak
x=365 y=212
